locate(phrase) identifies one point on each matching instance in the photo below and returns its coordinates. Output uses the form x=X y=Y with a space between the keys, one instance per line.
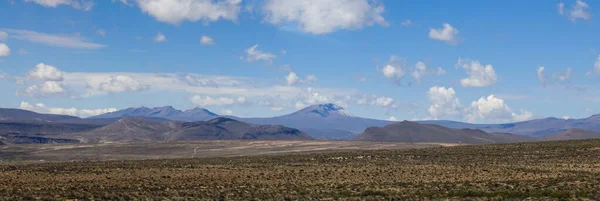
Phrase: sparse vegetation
x=568 y=170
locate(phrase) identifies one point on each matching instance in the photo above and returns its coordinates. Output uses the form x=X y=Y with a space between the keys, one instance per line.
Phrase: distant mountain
x=572 y=134
x=407 y=131
x=166 y=112
x=13 y=115
x=27 y=132
x=137 y=130
x=325 y=121
x=535 y=127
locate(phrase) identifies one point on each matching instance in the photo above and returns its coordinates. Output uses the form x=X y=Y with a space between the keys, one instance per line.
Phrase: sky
x=471 y=61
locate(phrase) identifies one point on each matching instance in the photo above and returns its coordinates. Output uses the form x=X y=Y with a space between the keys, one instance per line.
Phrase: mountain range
x=323 y=121
x=333 y=122
x=166 y=112
x=407 y=131
x=131 y=129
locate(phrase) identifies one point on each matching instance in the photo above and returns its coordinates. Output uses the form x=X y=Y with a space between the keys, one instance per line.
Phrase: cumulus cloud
x=41 y=108
x=3 y=35
x=4 y=50
x=77 y=4
x=293 y=79
x=205 y=40
x=177 y=11
x=321 y=17
x=160 y=38
x=374 y=100
x=493 y=108
x=447 y=34
x=47 y=88
x=45 y=72
x=443 y=102
x=395 y=69
x=579 y=10
x=541 y=76
x=479 y=75
x=204 y=101
x=384 y=101
x=253 y=54
x=420 y=70
x=392 y=118
x=67 y=41
x=121 y=83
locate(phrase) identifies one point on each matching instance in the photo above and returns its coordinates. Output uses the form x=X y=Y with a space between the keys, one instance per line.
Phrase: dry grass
x=541 y=171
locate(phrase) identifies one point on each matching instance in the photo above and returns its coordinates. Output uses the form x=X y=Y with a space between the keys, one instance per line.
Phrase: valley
x=557 y=170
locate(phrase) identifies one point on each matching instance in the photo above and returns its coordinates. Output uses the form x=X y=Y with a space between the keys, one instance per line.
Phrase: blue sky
x=476 y=61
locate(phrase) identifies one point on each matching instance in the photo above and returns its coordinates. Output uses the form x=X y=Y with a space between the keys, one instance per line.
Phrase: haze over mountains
x=333 y=122
x=323 y=121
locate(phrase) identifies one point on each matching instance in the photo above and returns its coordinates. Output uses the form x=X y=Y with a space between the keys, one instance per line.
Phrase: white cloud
x=45 y=73
x=87 y=84
x=68 y=41
x=448 y=34
x=48 y=88
x=384 y=101
x=420 y=70
x=479 y=75
x=566 y=117
x=566 y=76
x=121 y=83
x=395 y=69
x=443 y=102
x=101 y=32
x=205 y=40
x=4 y=50
x=293 y=79
x=579 y=10
x=3 y=35
x=406 y=23
x=440 y=71
x=41 y=108
x=177 y=11
x=597 y=65
x=541 y=76
x=204 y=101
x=392 y=118
x=493 y=108
x=283 y=52
x=160 y=38
x=253 y=54
x=321 y=17
x=77 y=4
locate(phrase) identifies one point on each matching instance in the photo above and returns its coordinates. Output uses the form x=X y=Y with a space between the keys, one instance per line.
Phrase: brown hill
x=407 y=131
x=140 y=130
x=572 y=134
